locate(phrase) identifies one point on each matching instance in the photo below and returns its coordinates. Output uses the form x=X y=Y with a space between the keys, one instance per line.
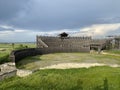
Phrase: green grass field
x=113 y=51
x=69 y=79
x=6 y=48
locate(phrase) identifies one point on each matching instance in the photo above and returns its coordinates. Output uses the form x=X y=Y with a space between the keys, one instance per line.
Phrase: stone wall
x=7 y=74
x=7 y=70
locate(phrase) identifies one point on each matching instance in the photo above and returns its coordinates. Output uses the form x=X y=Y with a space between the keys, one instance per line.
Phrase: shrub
x=21 y=46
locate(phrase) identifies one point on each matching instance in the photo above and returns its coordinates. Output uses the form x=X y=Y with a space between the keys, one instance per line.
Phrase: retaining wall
x=17 y=55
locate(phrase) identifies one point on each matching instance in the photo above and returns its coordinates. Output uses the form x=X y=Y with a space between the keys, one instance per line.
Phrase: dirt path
x=77 y=65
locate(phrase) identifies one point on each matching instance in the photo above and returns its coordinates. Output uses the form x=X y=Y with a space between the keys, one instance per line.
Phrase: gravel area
x=77 y=65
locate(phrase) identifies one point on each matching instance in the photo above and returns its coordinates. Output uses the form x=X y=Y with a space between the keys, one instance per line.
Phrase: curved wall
x=17 y=55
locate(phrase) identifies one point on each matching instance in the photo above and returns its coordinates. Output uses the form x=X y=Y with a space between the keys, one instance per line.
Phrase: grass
x=113 y=51
x=6 y=48
x=4 y=53
x=4 y=58
x=69 y=79
x=50 y=59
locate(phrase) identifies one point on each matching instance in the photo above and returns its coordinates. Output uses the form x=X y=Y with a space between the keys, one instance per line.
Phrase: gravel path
x=77 y=65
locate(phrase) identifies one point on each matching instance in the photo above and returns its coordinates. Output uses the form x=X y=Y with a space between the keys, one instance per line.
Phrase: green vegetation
x=24 y=45
x=113 y=51
x=94 y=78
x=4 y=53
x=10 y=46
x=4 y=58
x=50 y=59
x=6 y=48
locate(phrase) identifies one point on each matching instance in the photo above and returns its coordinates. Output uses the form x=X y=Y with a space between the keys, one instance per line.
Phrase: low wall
x=7 y=74
x=17 y=55
x=7 y=70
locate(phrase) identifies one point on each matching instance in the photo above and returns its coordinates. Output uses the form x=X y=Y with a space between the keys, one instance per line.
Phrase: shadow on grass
x=27 y=60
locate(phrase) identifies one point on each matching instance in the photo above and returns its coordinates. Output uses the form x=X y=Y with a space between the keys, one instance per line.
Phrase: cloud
x=112 y=19
x=10 y=9
x=23 y=35
x=23 y=19
x=6 y=28
x=48 y=15
x=100 y=30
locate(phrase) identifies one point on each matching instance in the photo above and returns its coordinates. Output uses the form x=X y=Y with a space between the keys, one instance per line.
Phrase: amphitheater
x=52 y=44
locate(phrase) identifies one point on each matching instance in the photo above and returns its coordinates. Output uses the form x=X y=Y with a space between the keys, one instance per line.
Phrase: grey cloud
x=115 y=19
x=46 y=15
x=6 y=29
x=61 y=14
x=9 y=9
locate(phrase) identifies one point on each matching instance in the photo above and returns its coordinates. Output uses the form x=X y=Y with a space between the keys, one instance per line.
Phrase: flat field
x=42 y=61
x=6 y=48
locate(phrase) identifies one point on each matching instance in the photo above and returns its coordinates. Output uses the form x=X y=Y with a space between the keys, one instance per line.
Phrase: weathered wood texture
x=69 y=43
x=47 y=45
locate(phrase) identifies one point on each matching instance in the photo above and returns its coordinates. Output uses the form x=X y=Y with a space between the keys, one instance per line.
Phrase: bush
x=21 y=46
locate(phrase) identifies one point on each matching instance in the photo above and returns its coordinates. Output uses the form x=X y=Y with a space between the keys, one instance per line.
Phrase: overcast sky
x=22 y=20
